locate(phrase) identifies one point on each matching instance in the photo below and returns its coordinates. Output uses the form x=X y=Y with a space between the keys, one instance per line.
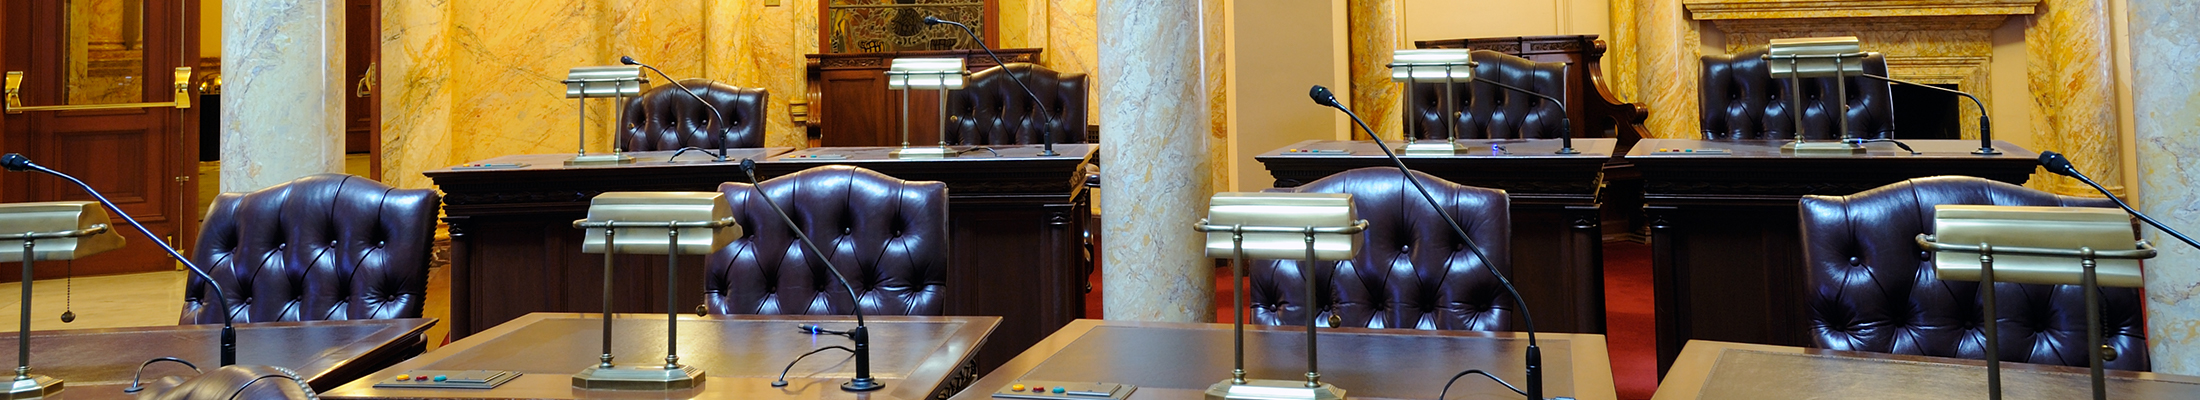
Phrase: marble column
x=1155 y=145
x=1667 y=66
x=416 y=101
x=283 y=78
x=2166 y=99
x=1373 y=28
x=2074 y=87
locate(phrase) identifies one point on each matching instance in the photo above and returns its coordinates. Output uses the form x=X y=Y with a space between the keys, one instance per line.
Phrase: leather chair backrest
x=662 y=118
x=1411 y=271
x=1485 y=111
x=1742 y=101
x=321 y=247
x=991 y=109
x=887 y=235
x=1870 y=287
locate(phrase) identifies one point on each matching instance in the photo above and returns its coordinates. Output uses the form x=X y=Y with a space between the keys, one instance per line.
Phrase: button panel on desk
x=1058 y=390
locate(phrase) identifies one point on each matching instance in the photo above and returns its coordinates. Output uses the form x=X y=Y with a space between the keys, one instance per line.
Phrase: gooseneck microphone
x=861 y=335
x=17 y=162
x=1565 y=127
x=2054 y=162
x=1046 y=134
x=1534 y=385
x=1985 y=127
x=719 y=122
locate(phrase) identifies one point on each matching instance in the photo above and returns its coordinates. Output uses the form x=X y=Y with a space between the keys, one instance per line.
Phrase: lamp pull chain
x=69 y=292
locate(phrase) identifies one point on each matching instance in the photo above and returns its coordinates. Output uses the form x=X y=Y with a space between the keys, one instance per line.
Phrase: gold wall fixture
x=182 y=88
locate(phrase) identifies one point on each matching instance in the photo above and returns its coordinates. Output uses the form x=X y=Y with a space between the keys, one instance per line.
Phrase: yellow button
x=404 y=377
x=1013 y=388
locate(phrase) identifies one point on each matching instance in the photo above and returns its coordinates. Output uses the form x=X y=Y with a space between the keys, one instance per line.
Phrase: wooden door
x=363 y=108
x=105 y=52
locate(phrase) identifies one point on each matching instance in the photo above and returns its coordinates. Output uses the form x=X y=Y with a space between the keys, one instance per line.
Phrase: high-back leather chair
x=1411 y=271
x=662 y=118
x=1871 y=288
x=991 y=109
x=1485 y=111
x=1742 y=101
x=321 y=247
x=887 y=235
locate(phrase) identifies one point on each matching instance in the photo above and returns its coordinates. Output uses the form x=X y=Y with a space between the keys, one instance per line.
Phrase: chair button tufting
x=1924 y=255
x=1856 y=261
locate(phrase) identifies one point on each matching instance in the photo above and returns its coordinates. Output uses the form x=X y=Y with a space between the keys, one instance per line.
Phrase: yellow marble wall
x=1666 y=67
x=2074 y=94
x=1373 y=28
x=416 y=103
x=1216 y=60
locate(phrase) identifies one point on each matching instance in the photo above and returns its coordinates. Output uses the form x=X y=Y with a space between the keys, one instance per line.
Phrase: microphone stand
x=2061 y=166
x=16 y=162
x=1985 y=129
x=1046 y=134
x=1535 y=353
x=863 y=382
x=719 y=121
x=1566 y=128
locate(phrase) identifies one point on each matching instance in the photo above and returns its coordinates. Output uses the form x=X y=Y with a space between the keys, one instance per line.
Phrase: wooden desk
x=1016 y=223
x=1726 y=245
x=1179 y=361
x=1722 y=370
x=849 y=104
x=98 y=363
x=916 y=357
x=1557 y=247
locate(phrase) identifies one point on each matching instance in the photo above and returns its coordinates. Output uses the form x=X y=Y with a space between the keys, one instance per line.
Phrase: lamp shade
x=706 y=222
x=1431 y=65
x=605 y=81
x=1293 y=212
x=52 y=217
x=925 y=73
x=1817 y=57
x=2008 y=227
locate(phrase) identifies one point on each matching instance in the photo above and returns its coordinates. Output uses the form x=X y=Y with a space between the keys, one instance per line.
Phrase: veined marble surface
x=2074 y=88
x=1373 y=27
x=2166 y=99
x=284 y=67
x=1154 y=102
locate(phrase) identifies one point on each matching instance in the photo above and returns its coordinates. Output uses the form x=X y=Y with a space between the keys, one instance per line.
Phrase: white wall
x=1277 y=50
x=1453 y=19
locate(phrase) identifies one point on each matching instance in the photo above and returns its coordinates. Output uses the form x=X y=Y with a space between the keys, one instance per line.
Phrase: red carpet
x=1627 y=307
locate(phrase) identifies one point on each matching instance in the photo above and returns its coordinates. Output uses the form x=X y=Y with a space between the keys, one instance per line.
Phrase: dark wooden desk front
x=1726 y=239
x=1557 y=246
x=1722 y=370
x=1016 y=223
x=1179 y=361
x=916 y=357
x=98 y=363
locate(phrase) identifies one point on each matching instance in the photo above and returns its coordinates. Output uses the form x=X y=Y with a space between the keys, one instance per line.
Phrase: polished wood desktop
x=98 y=363
x=1725 y=235
x=1557 y=246
x=916 y=357
x=1016 y=223
x=1179 y=360
x=1724 y=370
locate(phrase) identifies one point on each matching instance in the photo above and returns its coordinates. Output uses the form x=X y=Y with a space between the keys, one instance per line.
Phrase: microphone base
x=1822 y=148
x=32 y=387
x=862 y=385
x=1986 y=151
x=1271 y=389
x=1432 y=148
x=923 y=152
x=601 y=159
x=638 y=377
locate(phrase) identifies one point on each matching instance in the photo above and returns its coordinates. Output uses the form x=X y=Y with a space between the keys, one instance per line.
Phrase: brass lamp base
x=638 y=377
x=1432 y=148
x=1822 y=148
x=601 y=159
x=923 y=152
x=1270 y=389
x=32 y=387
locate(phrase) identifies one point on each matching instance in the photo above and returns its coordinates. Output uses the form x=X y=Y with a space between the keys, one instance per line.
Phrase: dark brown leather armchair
x=1485 y=111
x=1411 y=272
x=991 y=109
x=662 y=118
x=322 y=247
x=887 y=235
x=1742 y=101
x=1871 y=288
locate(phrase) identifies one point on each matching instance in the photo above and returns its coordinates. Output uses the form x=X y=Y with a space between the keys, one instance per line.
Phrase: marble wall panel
x=2074 y=91
x=1667 y=65
x=1373 y=28
x=285 y=64
x=416 y=97
x=1155 y=105
x=2166 y=100
x=1072 y=45
x=1216 y=60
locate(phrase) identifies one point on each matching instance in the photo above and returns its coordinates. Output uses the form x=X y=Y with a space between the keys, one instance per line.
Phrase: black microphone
x=1565 y=127
x=16 y=162
x=1534 y=391
x=1985 y=127
x=2054 y=162
x=863 y=382
x=720 y=122
x=1046 y=134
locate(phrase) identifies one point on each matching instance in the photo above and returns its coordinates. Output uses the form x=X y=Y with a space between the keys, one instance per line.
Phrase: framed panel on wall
x=878 y=26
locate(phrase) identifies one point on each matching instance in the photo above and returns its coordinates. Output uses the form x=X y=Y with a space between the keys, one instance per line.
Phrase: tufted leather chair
x=321 y=247
x=887 y=235
x=1742 y=101
x=1871 y=288
x=1411 y=272
x=1485 y=111
x=992 y=110
x=662 y=118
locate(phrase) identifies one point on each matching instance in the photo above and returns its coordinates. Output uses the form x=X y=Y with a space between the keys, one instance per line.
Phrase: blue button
x=440 y=378
x=1059 y=390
